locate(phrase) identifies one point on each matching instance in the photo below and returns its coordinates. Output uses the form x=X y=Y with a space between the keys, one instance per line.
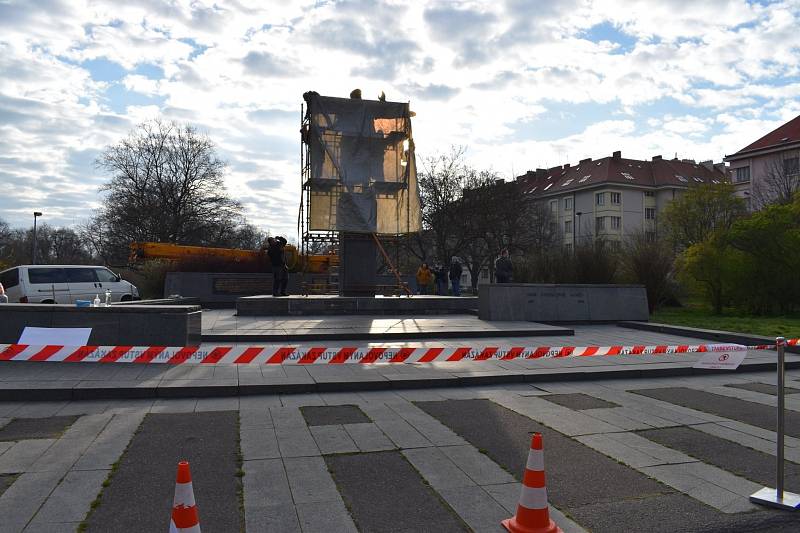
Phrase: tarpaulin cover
x=363 y=176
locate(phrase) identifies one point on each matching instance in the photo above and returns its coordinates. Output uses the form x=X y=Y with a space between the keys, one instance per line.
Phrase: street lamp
x=36 y=214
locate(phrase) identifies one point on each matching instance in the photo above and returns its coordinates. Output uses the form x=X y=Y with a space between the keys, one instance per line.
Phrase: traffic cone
x=184 y=511
x=532 y=514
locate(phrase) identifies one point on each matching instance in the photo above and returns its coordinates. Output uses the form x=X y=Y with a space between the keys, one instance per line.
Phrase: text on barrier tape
x=272 y=355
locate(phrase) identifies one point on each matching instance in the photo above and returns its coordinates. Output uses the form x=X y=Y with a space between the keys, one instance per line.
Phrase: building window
x=650 y=236
x=649 y=213
x=616 y=198
x=599 y=224
x=568 y=247
x=600 y=198
x=616 y=246
x=554 y=206
x=649 y=194
x=553 y=228
x=616 y=222
x=567 y=226
x=791 y=166
x=568 y=203
x=742 y=174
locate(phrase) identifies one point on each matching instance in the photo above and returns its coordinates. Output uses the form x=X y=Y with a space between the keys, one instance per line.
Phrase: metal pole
x=33 y=255
x=780 y=344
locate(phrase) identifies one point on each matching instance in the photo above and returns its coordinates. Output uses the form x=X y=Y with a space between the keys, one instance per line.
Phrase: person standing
x=503 y=269
x=3 y=295
x=441 y=279
x=424 y=278
x=455 y=276
x=277 y=258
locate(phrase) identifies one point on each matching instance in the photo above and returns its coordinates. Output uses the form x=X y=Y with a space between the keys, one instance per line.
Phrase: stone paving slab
x=36 y=428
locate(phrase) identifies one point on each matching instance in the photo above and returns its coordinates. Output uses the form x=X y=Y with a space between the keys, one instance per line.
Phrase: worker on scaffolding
x=277 y=258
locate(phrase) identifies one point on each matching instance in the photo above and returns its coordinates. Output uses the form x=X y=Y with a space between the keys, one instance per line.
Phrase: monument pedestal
x=358 y=265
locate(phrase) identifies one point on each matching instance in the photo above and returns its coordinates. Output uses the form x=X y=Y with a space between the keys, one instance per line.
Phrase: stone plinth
x=342 y=305
x=562 y=303
x=134 y=325
x=221 y=289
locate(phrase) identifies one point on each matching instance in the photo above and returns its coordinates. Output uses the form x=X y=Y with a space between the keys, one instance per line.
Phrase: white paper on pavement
x=55 y=336
x=721 y=360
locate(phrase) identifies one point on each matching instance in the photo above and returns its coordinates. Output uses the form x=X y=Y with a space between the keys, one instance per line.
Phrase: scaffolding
x=358 y=176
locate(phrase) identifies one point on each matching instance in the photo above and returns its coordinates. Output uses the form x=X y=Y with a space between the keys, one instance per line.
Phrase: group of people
x=439 y=274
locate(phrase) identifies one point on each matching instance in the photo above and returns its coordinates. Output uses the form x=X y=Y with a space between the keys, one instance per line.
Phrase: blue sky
x=521 y=83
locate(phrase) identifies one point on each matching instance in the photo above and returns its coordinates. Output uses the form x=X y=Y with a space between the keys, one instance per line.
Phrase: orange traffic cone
x=184 y=511
x=532 y=514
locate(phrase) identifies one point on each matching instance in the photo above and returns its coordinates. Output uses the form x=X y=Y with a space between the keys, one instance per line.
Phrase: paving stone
x=309 y=480
x=677 y=414
x=755 y=414
x=109 y=445
x=258 y=443
x=325 y=517
x=268 y=504
x=633 y=450
x=474 y=506
x=259 y=402
x=429 y=427
x=578 y=401
x=333 y=415
x=39 y=409
x=381 y=490
x=36 y=428
x=732 y=457
x=5 y=481
x=395 y=427
x=296 y=442
x=4 y=446
x=368 y=438
x=70 y=501
x=286 y=417
x=298 y=400
x=437 y=468
x=333 y=439
x=708 y=484
x=174 y=405
x=86 y=407
x=217 y=404
x=52 y=527
x=560 y=418
x=481 y=469
x=763 y=388
x=22 y=499
x=255 y=418
x=23 y=454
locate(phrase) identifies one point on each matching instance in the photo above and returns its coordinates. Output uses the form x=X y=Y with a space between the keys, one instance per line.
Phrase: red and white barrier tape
x=272 y=355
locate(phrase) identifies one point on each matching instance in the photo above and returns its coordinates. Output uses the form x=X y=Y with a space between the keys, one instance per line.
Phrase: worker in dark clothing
x=455 y=276
x=503 y=268
x=440 y=273
x=277 y=257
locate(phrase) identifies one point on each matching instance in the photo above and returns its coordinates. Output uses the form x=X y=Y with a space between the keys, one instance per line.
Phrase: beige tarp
x=363 y=177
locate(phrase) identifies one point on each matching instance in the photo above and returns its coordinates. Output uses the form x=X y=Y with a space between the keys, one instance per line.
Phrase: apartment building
x=609 y=197
x=771 y=162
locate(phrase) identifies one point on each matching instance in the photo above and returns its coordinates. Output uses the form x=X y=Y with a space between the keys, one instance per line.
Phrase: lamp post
x=36 y=214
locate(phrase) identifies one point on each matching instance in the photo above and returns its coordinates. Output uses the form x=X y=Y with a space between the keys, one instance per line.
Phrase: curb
x=365 y=336
x=708 y=334
x=25 y=393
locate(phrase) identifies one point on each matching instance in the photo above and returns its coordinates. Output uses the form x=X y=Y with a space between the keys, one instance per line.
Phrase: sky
x=520 y=84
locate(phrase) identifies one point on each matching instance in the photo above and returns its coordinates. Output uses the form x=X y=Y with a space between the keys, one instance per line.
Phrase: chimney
x=657 y=158
x=708 y=164
x=566 y=166
x=541 y=172
x=587 y=160
x=617 y=155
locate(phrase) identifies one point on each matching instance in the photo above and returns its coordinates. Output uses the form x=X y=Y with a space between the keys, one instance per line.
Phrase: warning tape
x=276 y=355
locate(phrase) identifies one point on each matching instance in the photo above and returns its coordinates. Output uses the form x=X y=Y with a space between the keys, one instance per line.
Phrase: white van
x=63 y=284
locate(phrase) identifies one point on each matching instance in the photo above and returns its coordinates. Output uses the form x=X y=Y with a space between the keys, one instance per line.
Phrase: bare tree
x=166 y=185
x=780 y=183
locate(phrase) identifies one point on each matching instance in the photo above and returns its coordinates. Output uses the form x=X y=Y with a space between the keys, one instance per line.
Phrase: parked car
x=63 y=284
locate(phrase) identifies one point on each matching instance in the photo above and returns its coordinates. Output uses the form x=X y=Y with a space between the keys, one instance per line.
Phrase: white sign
x=721 y=360
x=55 y=336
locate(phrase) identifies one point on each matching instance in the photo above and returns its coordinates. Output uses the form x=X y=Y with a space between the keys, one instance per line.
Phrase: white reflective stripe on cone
x=172 y=527
x=194 y=529
x=184 y=495
x=535 y=460
x=533 y=498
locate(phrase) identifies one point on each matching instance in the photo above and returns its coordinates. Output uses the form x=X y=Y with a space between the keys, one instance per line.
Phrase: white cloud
x=699 y=78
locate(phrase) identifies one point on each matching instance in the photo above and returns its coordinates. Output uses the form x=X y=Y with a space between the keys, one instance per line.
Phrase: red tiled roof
x=658 y=173
x=788 y=133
